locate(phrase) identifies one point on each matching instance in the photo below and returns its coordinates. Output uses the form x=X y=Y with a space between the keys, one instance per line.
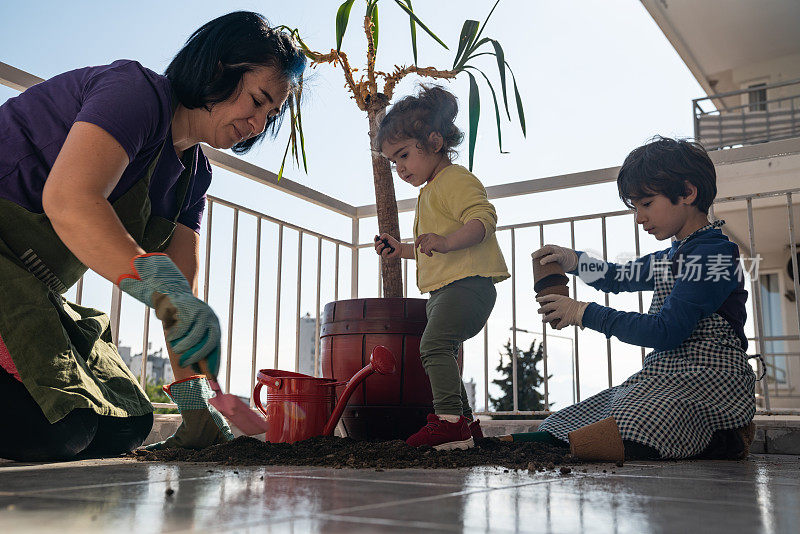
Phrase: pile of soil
x=330 y=451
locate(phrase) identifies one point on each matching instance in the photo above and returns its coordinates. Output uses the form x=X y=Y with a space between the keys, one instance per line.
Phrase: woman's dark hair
x=433 y=109
x=663 y=166
x=209 y=67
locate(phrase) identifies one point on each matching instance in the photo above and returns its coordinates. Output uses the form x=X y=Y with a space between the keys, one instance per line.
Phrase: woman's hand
x=190 y=325
x=566 y=257
x=430 y=243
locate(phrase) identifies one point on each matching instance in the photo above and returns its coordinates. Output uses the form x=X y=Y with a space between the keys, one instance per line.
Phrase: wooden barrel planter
x=385 y=406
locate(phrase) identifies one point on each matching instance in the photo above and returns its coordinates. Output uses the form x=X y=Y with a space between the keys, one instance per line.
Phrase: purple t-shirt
x=130 y=102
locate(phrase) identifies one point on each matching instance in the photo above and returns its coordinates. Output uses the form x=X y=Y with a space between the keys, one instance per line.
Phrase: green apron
x=64 y=352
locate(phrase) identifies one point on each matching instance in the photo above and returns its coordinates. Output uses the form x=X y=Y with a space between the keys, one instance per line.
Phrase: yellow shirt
x=451 y=199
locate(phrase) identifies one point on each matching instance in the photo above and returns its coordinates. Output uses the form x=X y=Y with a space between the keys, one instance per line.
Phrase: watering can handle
x=257 y=400
x=384 y=365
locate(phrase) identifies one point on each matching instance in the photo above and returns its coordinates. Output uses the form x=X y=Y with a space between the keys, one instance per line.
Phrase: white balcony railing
x=616 y=355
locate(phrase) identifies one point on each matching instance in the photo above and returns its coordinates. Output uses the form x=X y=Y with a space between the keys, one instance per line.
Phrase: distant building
x=470 y=389
x=159 y=370
x=308 y=344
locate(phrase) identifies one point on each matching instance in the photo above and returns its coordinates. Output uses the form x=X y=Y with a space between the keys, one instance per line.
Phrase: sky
x=597 y=78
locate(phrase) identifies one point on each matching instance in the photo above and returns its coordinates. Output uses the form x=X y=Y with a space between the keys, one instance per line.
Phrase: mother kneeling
x=101 y=168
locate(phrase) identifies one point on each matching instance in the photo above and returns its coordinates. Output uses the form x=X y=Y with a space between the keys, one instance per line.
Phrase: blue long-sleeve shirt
x=708 y=280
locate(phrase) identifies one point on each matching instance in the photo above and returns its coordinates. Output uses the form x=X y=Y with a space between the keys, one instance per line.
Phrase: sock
x=450 y=418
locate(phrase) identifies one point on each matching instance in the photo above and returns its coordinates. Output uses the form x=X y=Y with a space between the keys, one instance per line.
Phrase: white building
x=746 y=55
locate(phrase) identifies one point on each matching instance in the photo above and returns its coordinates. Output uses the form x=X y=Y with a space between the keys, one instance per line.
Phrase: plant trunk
x=385 y=200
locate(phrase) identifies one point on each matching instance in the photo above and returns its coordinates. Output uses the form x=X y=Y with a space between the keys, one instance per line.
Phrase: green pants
x=456 y=313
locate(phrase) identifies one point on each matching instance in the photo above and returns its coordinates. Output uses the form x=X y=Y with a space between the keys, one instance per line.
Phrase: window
x=775 y=350
x=757 y=97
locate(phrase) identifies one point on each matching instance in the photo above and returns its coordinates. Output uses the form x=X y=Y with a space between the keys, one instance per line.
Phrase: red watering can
x=299 y=406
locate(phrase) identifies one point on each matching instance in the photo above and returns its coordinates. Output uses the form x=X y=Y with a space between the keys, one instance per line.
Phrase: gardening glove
x=201 y=424
x=561 y=311
x=190 y=325
x=566 y=257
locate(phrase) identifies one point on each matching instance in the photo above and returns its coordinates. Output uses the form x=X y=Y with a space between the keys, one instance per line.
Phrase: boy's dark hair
x=662 y=166
x=209 y=67
x=433 y=109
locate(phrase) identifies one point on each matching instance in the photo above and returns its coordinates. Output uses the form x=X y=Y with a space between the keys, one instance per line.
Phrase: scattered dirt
x=343 y=452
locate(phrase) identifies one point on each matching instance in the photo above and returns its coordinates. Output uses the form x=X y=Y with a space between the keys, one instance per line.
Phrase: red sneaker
x=475 y=429
x=443 y=435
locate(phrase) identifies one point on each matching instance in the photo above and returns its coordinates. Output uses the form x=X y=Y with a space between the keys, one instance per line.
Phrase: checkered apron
x=681 y=396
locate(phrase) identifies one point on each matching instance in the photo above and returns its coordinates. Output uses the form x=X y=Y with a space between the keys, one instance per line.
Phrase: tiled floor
x=761 y=494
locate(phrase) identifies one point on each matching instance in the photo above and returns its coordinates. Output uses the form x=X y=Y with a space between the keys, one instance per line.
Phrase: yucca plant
x=374 y=101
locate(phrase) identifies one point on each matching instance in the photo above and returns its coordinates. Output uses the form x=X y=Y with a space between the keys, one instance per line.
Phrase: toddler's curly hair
x=432 y=109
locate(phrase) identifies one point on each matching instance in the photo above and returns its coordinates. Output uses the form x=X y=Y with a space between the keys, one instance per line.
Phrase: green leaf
x=342 y=17
x=496 y=108
x=474 y=116
x=300 y=128
x=413 y=33
x=520 y=111
x=501 y=66
x=283 y=161
x=487 y=19
x=468 y=31
x=375 y=26
x=421 y=24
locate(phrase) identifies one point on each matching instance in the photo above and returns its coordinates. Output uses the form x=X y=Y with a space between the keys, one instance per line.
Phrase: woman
x=101 y=168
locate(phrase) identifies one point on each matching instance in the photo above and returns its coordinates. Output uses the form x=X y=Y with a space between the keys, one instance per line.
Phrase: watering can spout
x=381 y=361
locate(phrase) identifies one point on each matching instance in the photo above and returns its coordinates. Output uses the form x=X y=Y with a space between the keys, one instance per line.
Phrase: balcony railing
x=532 y=233
x=753 y=115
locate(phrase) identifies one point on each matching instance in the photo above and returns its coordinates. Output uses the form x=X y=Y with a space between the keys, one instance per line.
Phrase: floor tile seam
x=694 y=479
x=133 y=483
x=397 y=482
x=427 y=525
x=229 y=526
x=159 y=501
x=651 y=497
x=62 y=465
x=112 y=484
x=402 y=502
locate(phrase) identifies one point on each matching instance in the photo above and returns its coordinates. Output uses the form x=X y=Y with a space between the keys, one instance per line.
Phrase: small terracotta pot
x=540 y=272
x=554 y=290
x=550 y=281
x=598 y=441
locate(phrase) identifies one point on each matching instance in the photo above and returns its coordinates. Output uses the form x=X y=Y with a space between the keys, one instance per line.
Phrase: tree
x=155 y=393
x=374 y=101
x=528 y=379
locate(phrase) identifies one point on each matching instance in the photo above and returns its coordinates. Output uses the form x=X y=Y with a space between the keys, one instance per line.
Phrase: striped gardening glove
x=190 y=325
x=201 y=425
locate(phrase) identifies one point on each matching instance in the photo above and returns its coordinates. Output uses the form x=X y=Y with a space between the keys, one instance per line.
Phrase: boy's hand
x=430 y=243
x=387 y=246
x=561 y=311
x=566 y=257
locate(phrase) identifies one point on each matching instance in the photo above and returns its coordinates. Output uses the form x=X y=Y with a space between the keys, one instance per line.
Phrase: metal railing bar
x=116 y=311
x=279 y=268
x=638 y=254
x=297 y=314
x=793 y=252
x=354 y=259
x=336 y=275
x=207 y=261
x=745 y=91
x=545 y=355
x=319 y=298
x=257 y=285
x=277 y=221
x=757 y=301
x=231 y=297
x=145 y=340
x=607 y=302
x=79 y=291
x=514 y=321
x=577 y=384
x=486 y=365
